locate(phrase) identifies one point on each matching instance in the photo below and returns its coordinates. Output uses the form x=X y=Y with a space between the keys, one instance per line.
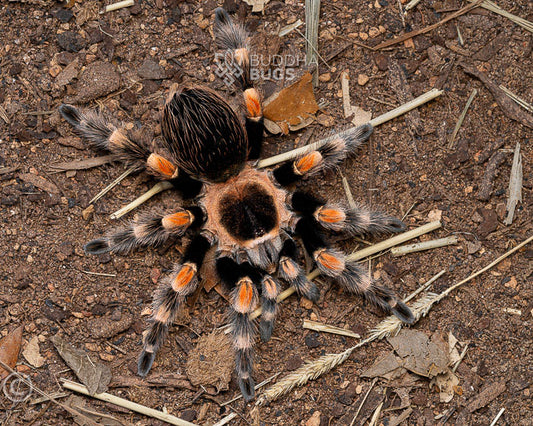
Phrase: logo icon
x=17 y=387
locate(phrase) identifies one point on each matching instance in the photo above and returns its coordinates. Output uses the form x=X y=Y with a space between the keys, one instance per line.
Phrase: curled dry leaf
x=293 y=107
x=10 y=349
x=93 y=374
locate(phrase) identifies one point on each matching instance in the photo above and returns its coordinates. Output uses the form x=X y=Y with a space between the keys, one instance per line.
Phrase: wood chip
x=39 y=182
x=491 y=171
x=84 y=164
x=489 y=393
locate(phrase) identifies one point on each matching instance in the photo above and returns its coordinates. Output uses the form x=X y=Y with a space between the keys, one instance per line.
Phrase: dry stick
x=158 y=187
x=411 y=4
x=312 y=17
x=402 y=109
x=424 y=287
x=425 y=245
x=389 y=326
x=119 y=5
x=226 y=419
x=517 y=99
x=121 y=402
x=497 y=417
x=363 y=401
x=451 y=141
x=325 y=328
x=361 y=254
x=112 y=185
x=375 y=417
x=429 y=28
x=463 y=353
x=256 y=387
x=70 y=410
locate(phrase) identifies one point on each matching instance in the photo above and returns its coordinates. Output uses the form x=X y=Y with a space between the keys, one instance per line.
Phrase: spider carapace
x=252 y=217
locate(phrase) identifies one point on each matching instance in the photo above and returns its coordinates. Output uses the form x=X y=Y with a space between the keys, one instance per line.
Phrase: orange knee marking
x=330 y=261
x=330 y=215
x=253 y=102
x=307 y=162
x=245 y=296
x=177 y=220
x=270 y=287
x=161 y=165
x=289 y=267
x=184 y=277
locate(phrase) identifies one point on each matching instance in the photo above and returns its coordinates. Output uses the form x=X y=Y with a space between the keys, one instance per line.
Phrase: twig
x=517 y=99
x=100 y=274
x=497 y=417
x=429 y=28
x=459 y=123
x=425 y=245
x=226 y=419
x=112 y=185
x=402 y=109
x=121 y=402
x=361 y=254
x=424 y=286
x=345 y=87
x=158 y=187
x=312 y=17
x=119 y=5
x=289 y=28
x=318 y=326
x=463 y=353
x=375 y=417
x=363 y=401
x=348 y=192
x=389 y=326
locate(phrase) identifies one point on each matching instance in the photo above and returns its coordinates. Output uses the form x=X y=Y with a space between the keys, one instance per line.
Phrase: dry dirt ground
x=48 y=285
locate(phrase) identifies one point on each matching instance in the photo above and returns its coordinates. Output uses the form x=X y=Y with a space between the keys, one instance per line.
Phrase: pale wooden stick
x=121 y=402
x=364 y=400
x=517 y=99
x=493 y=7
x=119 y=5
x=463 y=353
x=459 y=123
x=424 y=245
x=402 y=109
x=497 y=417
x=375 y=417
x=158 y=187
x=424 y=286
x=112 y=185
x=226 y=419
x=361 y=254
x=318 y=326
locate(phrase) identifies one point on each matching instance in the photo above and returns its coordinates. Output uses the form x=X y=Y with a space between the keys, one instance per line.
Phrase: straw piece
x=318 y=326
x=158 y=187
x=425 y=245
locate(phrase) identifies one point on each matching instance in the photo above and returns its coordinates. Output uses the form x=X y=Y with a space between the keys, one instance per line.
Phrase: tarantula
x=251 y=216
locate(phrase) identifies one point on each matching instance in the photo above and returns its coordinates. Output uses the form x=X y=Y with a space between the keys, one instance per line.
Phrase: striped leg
x=169 y=297
x=334 y=150
x=348 y=273
x=290 y=271
x=269 y=293
x=149 y=230
x=232 y=38
x=242 y=279
x=356 y=221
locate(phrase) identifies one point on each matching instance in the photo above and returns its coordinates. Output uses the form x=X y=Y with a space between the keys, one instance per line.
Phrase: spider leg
x=169 y=297
x=290 y=271
x=148 y=230
x=233 y=39
x=336 y=148
x=348 y=274
x=129 y=146
x=352 y=221
x=269 y=293
x=242 y=279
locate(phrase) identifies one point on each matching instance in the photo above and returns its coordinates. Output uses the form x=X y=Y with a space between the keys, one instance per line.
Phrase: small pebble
x=362 y=79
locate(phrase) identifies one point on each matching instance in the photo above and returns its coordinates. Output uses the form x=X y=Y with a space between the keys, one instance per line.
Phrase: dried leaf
x=94 y=375
x=515 y=185
x=293 y=105
x=10 y=349
x=388 y=367
x=39 y=182
x=446 y=383
x=419 y=354
x=84 y=164
x=32 y=354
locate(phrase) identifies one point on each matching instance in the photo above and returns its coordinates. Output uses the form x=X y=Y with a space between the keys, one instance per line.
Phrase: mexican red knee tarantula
x=250 y=215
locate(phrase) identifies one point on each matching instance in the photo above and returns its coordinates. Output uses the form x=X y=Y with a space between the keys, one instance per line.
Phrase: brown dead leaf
x=93 y=374
x=39 y=182
x=32 y=354
x=10 y=349
x=293 y=105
